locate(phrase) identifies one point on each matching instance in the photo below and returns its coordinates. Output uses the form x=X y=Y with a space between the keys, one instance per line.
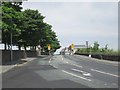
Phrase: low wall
x=17 y=55
x=101 y=56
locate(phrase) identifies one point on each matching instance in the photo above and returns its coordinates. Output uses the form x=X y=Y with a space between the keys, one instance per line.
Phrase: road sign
x=72 y=46
x=49 y=46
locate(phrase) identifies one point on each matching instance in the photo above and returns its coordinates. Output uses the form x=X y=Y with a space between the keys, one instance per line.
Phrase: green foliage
x=11 y=21
x=95 y=47
x=27 y=27
x=96 y=50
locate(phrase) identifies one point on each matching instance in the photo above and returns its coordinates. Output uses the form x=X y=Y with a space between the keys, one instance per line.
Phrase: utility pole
x=90 y=51
x=11 y=53
x=11 y=40
x=87 y=45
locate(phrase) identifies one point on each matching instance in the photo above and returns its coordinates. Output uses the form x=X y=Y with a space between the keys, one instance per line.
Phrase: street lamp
x=90 y=51
x=87 y=46
x=11 y=53
x=0 y=36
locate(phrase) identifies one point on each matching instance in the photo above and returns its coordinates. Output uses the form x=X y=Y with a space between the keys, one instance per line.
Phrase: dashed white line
x=66 y=62
x=62 y=57
x=78 y=70
x=76 y=75
x=104 y=73
x=77 y=65
x=50 y=60
x=83 y=72
x=53 y=66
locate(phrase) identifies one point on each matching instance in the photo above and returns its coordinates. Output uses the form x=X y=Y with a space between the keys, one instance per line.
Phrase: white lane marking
x=83 y=72
x=66 y=62
x=50 y=60
x=62 y=57
x=87 y=74
x=104 y=73
x=53 y=66
x=78 y=65
x=76 y=75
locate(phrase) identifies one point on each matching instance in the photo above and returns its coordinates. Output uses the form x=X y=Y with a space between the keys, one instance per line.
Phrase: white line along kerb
x=76 y=75
x=104 y=73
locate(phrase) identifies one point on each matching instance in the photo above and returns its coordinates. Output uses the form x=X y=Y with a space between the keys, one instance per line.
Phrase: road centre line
x=50 y=60
x=76 y=75
x=77 y=65
x=83 y=72
x=104 y=72
x=62 y=57
x=66 y=62
x=54 y=66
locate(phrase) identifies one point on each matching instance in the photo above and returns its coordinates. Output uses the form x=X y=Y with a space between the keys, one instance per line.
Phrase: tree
x=37 y=32
x=11 y=22
x=96 y=46
x=31 y=34
x=27 y=28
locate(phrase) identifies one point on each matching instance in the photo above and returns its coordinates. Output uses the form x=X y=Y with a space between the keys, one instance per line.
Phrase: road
x=63 y=71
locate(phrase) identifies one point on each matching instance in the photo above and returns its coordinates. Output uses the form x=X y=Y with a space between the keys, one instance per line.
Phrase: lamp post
x=90 y=51
x=87 y=46
x=11 y=53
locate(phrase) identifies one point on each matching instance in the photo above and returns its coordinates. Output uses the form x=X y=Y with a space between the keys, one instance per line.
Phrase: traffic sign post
x=72 y=46
x=72 y=49
x=49 y=48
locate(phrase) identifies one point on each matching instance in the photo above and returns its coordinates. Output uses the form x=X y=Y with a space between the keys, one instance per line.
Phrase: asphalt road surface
x=63 y=71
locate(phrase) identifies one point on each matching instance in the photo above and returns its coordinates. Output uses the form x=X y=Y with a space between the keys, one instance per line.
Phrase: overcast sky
x=77 y=22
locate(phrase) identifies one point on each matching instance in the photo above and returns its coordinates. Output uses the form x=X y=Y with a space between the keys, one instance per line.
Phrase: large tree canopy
x=11 y=22
x=28 y=28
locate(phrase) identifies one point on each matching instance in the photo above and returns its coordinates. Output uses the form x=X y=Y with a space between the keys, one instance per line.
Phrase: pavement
x=8 y=66
x=62 y=71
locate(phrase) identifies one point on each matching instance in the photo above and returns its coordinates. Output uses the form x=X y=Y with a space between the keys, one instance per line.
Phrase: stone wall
x=17 y=55
x=101 y=56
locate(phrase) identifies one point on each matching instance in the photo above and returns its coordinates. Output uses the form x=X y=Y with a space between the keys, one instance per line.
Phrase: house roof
x=79 y=46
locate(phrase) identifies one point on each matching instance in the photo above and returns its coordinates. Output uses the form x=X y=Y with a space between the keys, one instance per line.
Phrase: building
x=76 y=47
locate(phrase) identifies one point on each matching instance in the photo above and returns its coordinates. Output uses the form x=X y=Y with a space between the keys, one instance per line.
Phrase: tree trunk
x=35 y=48
x=5 y=46
x=25 y=47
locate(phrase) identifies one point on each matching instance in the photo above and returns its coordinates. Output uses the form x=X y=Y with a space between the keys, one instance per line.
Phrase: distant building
x=67 y=50
x=76 y=47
